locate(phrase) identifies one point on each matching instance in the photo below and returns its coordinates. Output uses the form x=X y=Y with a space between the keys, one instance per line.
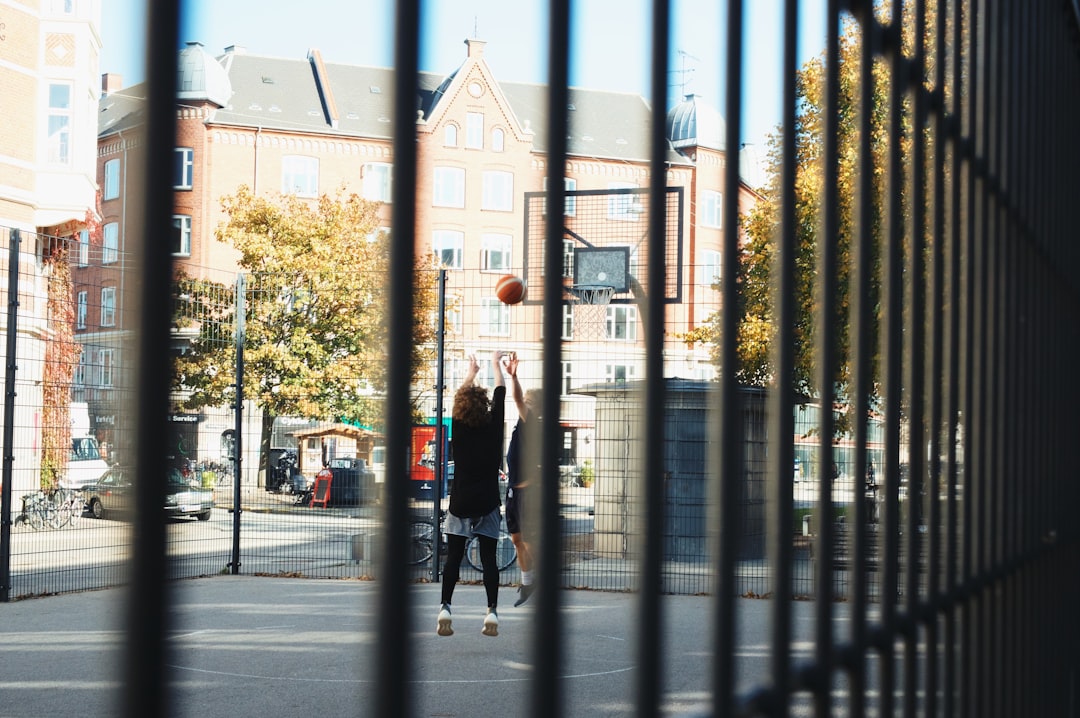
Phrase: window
x=618 y=373
x=498 y=140
x=60 y=123
x=112 y=179
x=711 y=209
x=710 y=267
x=450 y=136
x=495 y=252
x=181 y=239
x=495 y=317
x=108 y=306
x=80 y=310
x=183 y=164
x=474 y=130
x=449 y=189
x=622 y=322
x=110 y=243
x=498 y=191
x=80 y=371
x=453 y=317
x=568 y=321
x=105 y=356
x=625 y=207
x=570 y=208
x=65 y=7
x=377 y=178
x=84 y=248
x=448 y=246
x=300 y=176
x=567 y=377
x=568 y=259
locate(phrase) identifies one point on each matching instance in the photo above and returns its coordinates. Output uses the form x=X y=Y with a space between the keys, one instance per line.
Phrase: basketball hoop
x=592 y=294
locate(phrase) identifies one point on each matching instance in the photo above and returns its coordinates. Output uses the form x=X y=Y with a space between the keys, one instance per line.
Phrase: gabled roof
x=121 y=110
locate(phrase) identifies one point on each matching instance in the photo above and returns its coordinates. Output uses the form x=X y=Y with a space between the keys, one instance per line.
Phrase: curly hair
x=471 y=405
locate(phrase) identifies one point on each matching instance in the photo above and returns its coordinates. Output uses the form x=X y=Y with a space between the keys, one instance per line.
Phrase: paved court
x=256 y=647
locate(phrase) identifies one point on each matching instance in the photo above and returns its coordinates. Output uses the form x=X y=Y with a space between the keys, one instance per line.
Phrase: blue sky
x=610 y=48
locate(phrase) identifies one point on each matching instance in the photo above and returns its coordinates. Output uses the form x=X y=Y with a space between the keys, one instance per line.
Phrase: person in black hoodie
x=476 y=447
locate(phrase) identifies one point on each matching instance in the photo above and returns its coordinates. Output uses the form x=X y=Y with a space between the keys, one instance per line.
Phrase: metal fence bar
x=394 y=659
x=146 y=685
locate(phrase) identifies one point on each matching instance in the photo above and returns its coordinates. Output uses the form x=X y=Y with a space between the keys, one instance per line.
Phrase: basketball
x=510 y=289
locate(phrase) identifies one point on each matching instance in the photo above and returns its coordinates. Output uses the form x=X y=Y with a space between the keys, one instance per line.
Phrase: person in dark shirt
x=526 y=403
x=476 y=448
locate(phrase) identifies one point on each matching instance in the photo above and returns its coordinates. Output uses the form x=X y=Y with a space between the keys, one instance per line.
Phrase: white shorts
x=488 y=525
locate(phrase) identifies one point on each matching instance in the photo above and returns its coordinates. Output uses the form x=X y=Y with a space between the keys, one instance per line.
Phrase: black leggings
x=454 y=555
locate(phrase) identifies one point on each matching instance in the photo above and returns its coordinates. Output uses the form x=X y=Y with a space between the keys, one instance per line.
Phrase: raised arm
x=515 y=387
x=497 y=367
x=470 y=375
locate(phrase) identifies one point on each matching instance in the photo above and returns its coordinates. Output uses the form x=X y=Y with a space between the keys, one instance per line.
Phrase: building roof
x=285 y=94
x=693 y=123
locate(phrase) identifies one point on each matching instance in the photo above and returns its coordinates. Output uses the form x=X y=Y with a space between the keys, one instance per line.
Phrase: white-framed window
x=110 y=243
x=450 y=135
x=81 y=303
x=622 y=322
x=108 y=306
x=495 y=252
x=618 y=373
x=710 y=267
x=112 y=180
x=183 y=167
x=64 y=7
x=498 y=191
x=448 y=245
x=567 y=321
x=567 y=377
x=454 y=321
x=623 y=207
x=80 y=371
x=84 y=248
x=474 y=130
x=60 y=123
x=712 y=209
x=570 y=209
x=105 y=358
x=498 y=140
x=300 y=175
x=181 y=239
x=568 y=258
x=378 y=177
x=449 y=187
x=494 y=317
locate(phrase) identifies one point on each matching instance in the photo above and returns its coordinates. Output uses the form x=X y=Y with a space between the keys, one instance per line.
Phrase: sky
x=609 y=41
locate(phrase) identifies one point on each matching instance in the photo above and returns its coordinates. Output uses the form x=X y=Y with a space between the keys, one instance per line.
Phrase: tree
x=315 y=330
x=761 y=224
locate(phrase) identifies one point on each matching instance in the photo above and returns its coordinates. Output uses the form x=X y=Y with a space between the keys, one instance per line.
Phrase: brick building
x=308 y=127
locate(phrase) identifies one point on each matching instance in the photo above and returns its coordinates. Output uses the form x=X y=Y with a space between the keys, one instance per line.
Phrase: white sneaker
x=445 y=627
x=491 y=624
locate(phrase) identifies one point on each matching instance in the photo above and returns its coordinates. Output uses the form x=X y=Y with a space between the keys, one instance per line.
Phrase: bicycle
x=70 y=507
x=39 y=511
x=422 y=532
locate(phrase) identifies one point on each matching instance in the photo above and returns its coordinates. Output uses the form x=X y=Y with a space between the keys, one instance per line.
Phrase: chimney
x=236 y=50
x=111 y=82
x=476 y=47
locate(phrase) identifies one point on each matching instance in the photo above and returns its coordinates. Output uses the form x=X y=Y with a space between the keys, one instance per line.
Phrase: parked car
x=114 y=494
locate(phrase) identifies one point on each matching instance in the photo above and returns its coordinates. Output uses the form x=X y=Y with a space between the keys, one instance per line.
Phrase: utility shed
x=319 y=445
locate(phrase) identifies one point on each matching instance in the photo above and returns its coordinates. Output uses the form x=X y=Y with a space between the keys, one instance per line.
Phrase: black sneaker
x=523 y=593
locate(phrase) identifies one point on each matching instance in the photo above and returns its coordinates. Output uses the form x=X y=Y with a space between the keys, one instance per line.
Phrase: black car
x=114 y=493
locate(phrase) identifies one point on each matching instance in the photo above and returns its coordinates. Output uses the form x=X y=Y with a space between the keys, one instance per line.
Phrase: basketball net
x=590 y=303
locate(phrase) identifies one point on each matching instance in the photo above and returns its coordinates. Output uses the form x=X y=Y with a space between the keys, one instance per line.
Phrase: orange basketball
x=510 y=289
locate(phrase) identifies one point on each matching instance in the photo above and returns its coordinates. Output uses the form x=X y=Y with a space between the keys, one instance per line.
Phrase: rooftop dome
x=692 y=123
x=201 y=77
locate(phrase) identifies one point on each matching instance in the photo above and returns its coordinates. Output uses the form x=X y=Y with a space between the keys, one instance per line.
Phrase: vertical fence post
x=238 y=411
x=10 y=368
x=440 y=431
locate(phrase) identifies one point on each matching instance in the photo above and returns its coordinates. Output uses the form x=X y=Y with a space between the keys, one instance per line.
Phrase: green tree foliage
x=761 y=225
x=315 y=331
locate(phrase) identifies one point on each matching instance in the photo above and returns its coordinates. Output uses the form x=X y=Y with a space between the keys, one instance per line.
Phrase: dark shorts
x=514 y=510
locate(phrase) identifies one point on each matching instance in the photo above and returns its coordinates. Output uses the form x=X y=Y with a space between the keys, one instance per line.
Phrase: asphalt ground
x=257 y=647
